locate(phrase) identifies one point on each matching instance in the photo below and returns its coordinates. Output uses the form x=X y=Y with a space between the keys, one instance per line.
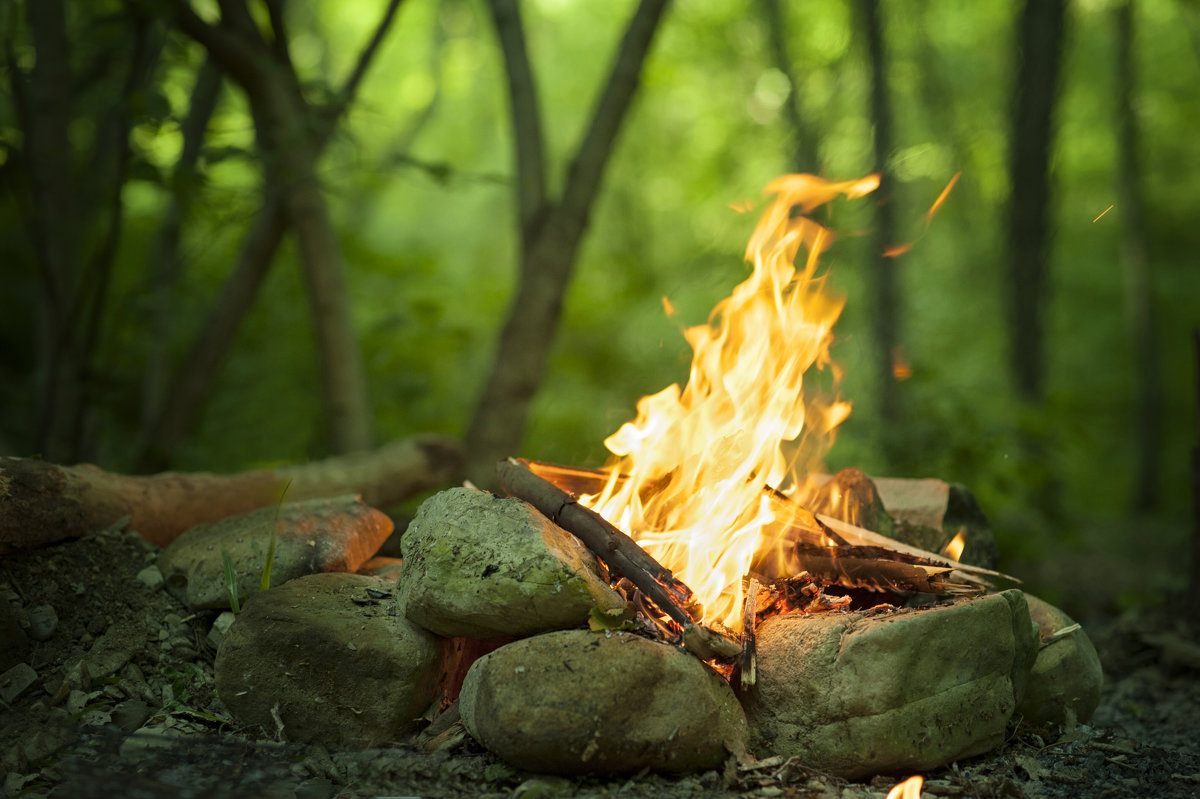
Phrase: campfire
x=716 y=484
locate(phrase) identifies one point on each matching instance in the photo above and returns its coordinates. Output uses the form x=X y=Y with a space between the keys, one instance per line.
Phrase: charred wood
x=620 y=552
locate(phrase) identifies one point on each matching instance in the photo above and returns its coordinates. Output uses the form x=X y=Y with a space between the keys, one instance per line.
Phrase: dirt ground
x=155 y=728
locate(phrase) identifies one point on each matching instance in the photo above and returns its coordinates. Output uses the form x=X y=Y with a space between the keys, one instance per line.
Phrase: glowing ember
x=687 y=481
x=909 y=789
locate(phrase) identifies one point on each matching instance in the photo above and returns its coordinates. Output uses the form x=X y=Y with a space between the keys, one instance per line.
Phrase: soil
x=154 y=726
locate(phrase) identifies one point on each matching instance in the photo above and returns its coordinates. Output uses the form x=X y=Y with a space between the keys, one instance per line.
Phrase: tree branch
x=583 y=177
x=237 y=57
x=526 y=118
x=346 y=95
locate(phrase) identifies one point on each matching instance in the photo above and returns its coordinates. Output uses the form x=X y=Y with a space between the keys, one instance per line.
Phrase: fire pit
x=706 y=595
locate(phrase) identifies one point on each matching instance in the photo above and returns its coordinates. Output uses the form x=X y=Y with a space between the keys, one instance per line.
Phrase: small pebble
x=151 y=577
x=42 y=622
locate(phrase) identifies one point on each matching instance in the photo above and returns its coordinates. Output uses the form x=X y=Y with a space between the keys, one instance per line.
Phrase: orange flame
x=687 y=481
x=909 y=789
x=955 y=546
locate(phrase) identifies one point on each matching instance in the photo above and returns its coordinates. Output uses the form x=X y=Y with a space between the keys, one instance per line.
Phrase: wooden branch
x=41 y=502
x=749 y=662
x=238 y=57
x=526 y=117
x=620 y=552
x=354 y=80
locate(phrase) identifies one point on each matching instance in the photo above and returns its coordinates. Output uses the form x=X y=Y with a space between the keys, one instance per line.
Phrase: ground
x=155 y=728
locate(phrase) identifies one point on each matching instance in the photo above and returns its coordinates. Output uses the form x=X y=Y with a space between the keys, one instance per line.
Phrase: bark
x=886 y=312
x=164 y=267
x=804 y=138
x=1039 y=44
x=1139 y=297
x=310 y=130
x=550 y=232
x=41 y=502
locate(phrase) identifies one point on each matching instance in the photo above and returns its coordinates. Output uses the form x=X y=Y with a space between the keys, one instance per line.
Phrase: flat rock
x=331 y=659
x=316 y=535
x=856 y=694
x=480 y=566
x=1067 y=676
x=578 y=702
x=928 y=513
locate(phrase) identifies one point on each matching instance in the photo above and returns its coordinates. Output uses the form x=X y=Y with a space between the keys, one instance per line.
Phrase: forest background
x=237 y=234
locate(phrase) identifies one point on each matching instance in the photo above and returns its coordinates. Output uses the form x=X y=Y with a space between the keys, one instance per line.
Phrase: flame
x=688 y=474
x=909 y=789
x=954 y=547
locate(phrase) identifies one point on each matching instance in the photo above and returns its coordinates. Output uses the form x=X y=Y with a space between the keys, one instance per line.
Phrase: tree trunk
x=886 y=311
x=1039 y=44
x=1039 y=48
x=343 y=375
x=1138 y=293
x=550 y=233
x=294 y=134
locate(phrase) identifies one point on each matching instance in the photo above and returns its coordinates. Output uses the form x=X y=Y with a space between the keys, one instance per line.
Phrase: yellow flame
x=909 y=789
x=955 y=546
x=687 y=480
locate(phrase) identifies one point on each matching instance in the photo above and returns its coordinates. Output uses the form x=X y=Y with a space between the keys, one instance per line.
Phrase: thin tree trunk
x=886 y=311
x=804 y=138
x=164 y=265
x=550 y=233
x=1039 y=43
x=190 y=391
x=343 y=375
x=193 y=382
x=1139 y=296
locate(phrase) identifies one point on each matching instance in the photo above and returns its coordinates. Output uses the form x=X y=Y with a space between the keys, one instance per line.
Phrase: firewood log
x=41 y=502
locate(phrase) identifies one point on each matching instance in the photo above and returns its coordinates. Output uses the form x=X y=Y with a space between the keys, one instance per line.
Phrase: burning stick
x=749 y=655
x=622 y=554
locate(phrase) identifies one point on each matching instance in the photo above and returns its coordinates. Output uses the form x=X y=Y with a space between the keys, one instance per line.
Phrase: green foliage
x=269 y=560
x=231 y=586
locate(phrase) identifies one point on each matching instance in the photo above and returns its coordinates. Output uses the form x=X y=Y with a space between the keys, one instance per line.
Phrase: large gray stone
x=578 y=702
x=316 y=535
x=479 y=566
x=1067 y=676
x=855 y=694
x=331 y=659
